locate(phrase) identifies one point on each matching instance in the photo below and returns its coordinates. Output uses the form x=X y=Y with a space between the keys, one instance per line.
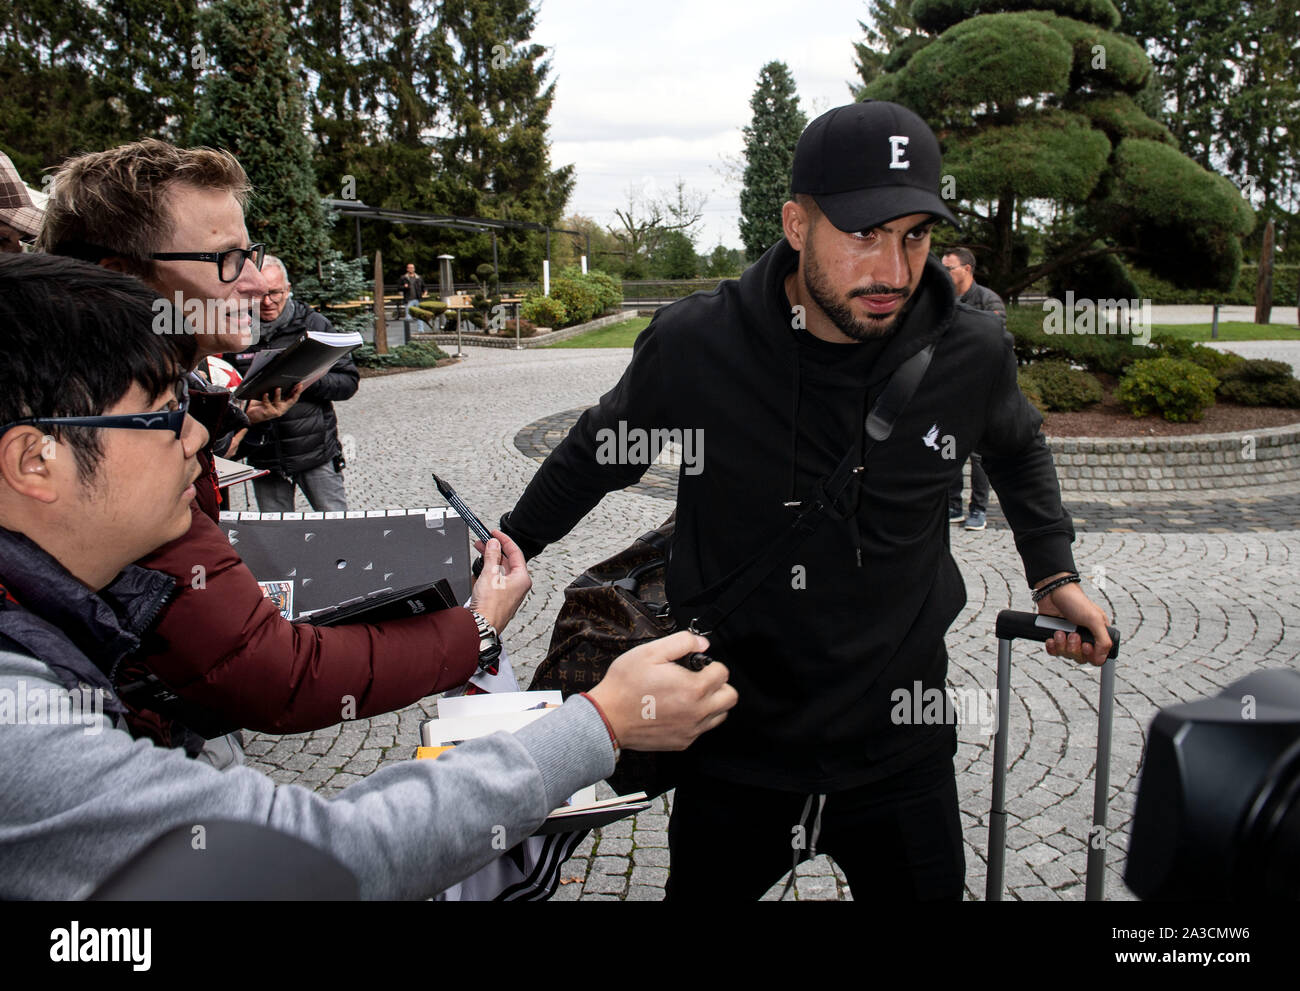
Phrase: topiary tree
x=488 y=295
x=1035 y=104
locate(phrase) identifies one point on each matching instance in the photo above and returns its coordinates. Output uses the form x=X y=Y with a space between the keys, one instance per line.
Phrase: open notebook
x=465 y=717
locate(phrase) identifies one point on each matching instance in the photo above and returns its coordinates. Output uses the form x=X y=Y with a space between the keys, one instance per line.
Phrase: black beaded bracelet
x=1040 y=594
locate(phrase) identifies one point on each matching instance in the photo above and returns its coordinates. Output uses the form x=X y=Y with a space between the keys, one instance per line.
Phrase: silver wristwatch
x=489 y=642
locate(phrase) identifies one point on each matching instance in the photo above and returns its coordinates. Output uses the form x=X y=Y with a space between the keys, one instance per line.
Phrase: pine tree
x=770 y=139
x=80 y=77
x=251 y=105
x=148 y=63
x=372 y=74
x=495 y=159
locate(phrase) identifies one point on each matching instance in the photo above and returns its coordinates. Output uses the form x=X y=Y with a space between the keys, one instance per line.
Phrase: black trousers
x=979 y=488
x=895 y=840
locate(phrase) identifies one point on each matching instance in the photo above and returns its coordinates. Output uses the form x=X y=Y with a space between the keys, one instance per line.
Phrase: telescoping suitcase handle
x=1013 y=625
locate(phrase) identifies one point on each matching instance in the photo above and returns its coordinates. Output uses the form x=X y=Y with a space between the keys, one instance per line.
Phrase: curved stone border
x=536 y=341
x=1190 y=463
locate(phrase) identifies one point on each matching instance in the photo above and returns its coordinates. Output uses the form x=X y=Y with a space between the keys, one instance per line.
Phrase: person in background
x=412 y=287
x=960 y=264
x=301 y=447
x=20 y=218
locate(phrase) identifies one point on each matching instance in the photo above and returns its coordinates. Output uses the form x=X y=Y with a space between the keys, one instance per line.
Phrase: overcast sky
x=646 y=92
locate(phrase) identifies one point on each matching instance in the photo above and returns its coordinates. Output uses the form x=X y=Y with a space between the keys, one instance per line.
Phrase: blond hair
x=113 y=203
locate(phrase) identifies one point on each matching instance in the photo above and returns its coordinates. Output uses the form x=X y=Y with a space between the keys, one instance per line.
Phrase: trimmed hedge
x=416 y=354
x=1216 y=362
x=580 y=299
x=1263 y=393
x=1058 y=387
x=544 y=311
x=1285 y=279
x=939 y=15
x=1260 y=382
x=1177 y=389
x=1108 y=354
x=1261 y=370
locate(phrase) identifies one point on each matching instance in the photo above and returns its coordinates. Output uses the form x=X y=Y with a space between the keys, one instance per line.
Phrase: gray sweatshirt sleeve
x=78 y=800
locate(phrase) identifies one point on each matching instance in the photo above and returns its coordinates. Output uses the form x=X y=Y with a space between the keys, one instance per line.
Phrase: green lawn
x=622 y=335
x=1228 y=331
x=618 y=335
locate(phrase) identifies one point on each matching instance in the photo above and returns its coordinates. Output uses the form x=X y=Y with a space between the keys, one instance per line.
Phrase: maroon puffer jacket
x=226 y=647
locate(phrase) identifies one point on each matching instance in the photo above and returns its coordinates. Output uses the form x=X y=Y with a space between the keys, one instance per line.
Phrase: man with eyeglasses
x=300 y=448
x=174 y=218
x=98 y=460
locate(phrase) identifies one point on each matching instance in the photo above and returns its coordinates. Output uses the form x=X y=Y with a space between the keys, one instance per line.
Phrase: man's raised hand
x=503 y=583
x=653 y=703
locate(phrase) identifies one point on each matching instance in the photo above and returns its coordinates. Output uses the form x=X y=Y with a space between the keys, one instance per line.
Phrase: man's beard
x=841 y=313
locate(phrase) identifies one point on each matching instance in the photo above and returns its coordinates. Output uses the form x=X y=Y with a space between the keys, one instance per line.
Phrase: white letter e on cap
x=897 y=143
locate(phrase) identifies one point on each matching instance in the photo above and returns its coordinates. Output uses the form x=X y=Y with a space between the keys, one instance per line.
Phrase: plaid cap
x=16 y=206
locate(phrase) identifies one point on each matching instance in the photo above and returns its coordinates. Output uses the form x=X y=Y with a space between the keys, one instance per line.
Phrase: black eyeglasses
x=173 y=419
x=229 y=263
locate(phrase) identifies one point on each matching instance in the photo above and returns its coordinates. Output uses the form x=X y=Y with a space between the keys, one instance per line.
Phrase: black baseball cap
x=867 y=163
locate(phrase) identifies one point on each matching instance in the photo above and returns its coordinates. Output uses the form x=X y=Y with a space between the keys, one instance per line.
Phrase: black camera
x=1218 y=808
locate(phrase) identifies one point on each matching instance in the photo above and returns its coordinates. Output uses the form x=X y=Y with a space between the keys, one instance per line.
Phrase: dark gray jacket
x=982 y=298
x=307 y=435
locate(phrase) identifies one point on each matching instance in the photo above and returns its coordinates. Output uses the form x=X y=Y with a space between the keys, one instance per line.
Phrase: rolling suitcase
x=1013 y=625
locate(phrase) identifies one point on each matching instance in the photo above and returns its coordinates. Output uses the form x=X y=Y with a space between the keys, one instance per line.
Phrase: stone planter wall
x=1194 y=463
x=536 y=341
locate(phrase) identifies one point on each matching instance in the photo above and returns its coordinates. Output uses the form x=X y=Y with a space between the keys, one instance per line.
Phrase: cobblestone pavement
x=1200 y=603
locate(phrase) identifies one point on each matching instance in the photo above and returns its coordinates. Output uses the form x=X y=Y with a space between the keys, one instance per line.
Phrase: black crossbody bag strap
x=738 y=586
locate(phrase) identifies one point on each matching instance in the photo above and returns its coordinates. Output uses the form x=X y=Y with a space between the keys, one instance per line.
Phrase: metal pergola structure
x=360 y=211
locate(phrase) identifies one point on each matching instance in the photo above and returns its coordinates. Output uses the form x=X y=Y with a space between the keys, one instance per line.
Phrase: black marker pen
x=458 y=504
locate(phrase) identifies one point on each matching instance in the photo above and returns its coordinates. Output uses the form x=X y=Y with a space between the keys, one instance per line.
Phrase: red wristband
x=603 y=718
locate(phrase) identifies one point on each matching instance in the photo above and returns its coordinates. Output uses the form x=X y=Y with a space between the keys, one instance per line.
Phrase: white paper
x=486 y=705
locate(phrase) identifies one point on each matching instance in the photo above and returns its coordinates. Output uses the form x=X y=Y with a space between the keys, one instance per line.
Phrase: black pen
x=458 y=504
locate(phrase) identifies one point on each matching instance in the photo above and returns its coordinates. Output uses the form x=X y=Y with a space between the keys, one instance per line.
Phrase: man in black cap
x=838 y=651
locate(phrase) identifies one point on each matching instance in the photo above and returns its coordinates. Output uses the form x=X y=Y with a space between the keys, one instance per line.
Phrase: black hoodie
x=819 y=650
